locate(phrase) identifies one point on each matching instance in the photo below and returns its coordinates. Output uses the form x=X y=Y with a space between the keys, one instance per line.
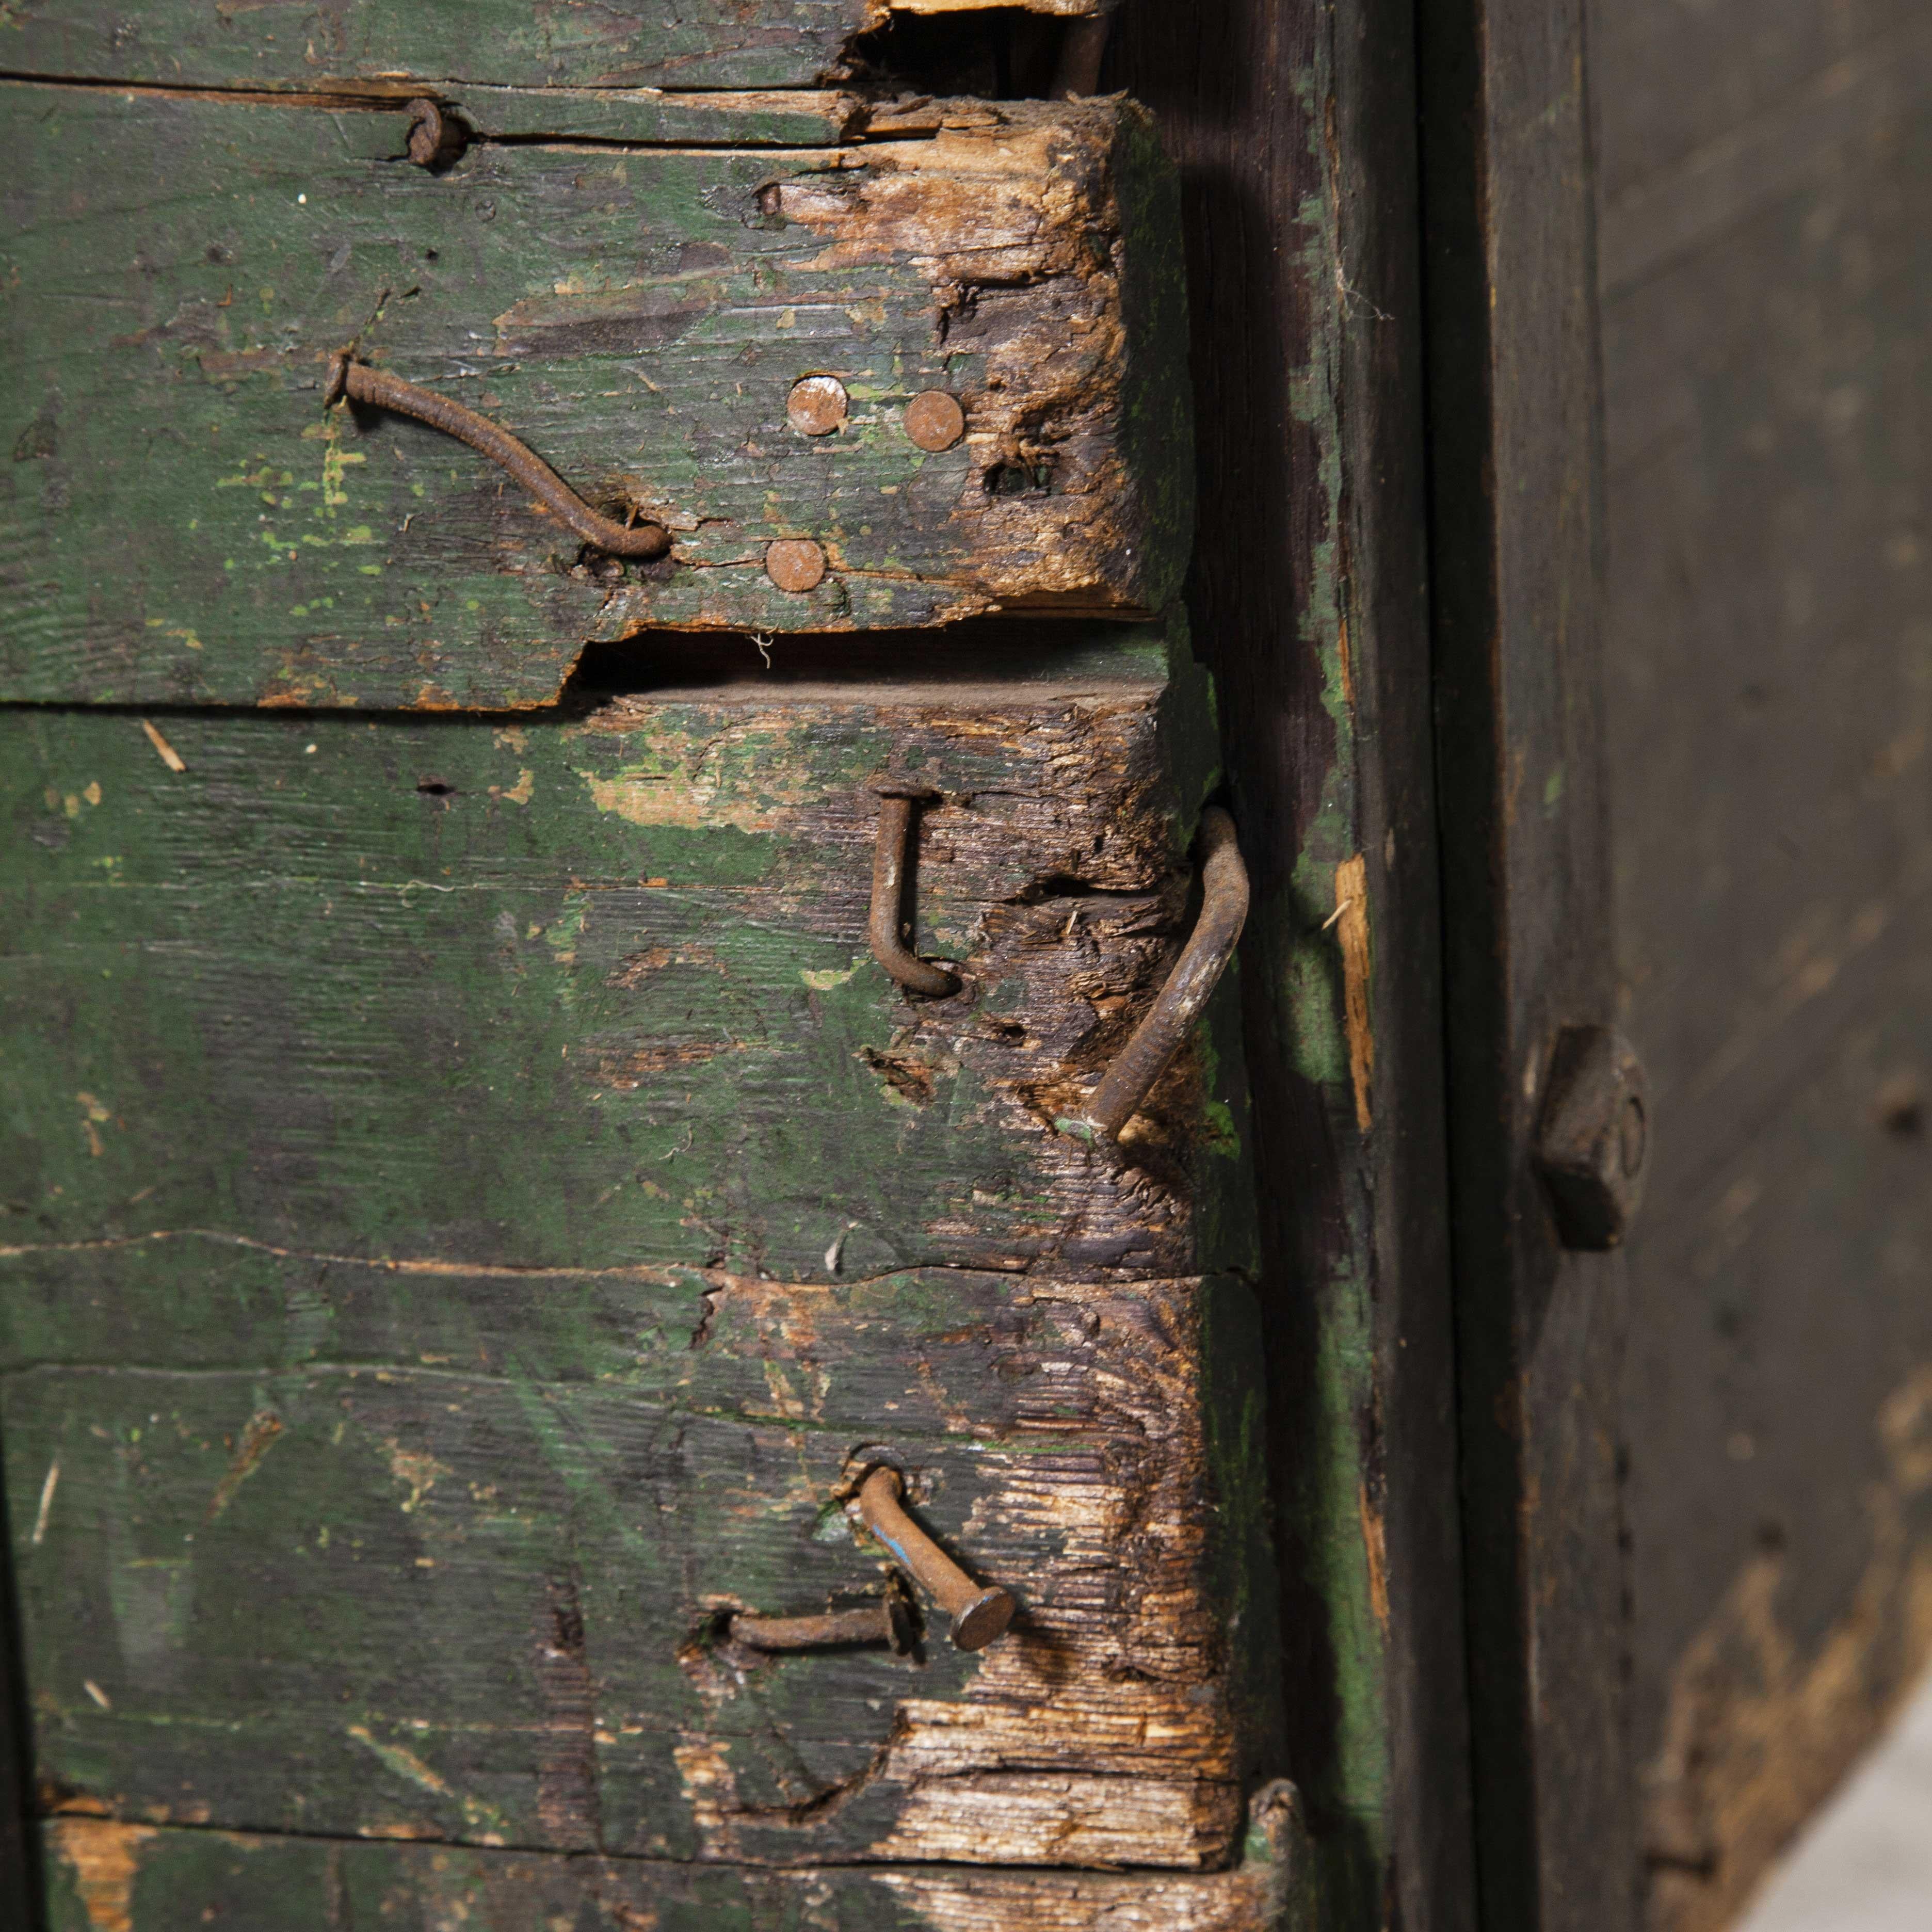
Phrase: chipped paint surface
x=304 y=1885
x=289 y=556
x=102 y=1858
x=1351 y=924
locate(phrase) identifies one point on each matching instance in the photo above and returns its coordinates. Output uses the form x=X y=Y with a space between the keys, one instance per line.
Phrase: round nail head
x=983 y=1619
x=934 y=420
x=795 y=563
x=817 y=405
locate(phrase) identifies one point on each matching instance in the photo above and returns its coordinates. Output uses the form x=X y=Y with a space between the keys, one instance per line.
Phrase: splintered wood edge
x=100 y=1859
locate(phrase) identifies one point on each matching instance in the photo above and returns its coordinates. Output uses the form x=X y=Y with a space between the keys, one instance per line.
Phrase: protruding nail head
x=795 y=563
x=934 y=420
x=817 y=405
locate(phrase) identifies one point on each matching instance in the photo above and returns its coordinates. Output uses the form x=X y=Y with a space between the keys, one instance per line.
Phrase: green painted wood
x=105 y=1874
x=619 y=960
x=182 y=521
x=471 y=1194
x=303 y=43
x=453 y=1592
x=657 y=117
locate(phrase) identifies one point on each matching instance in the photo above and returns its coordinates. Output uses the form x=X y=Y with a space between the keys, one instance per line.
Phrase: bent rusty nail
x=1224 y=910
x=362 y=384
x=891 y=855
x=883 y=1622
x=979 y=1614
x=436 y=138
x=1082 y=47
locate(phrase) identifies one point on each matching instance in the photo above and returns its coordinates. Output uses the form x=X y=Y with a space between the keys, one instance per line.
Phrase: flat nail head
x=433 y=135
x=983 y=1619
x=795 y=563
x=934 y=420
x=978 y=1614
x=817 y=405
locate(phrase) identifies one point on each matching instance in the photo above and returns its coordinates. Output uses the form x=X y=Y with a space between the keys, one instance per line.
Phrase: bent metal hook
x=361 y=384
x=1224 y=911
x=891 y=863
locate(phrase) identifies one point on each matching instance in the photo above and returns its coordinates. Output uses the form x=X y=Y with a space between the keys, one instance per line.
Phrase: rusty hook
x=891 y=863
x=362 y=384
x=1224 y=910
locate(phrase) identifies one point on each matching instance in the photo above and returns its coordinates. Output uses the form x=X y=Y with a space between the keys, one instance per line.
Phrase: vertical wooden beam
x=1514 y=417
x=1295 y=126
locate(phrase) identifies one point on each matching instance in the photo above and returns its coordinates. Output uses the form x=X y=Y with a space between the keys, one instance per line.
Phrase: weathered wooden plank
x=520 y=1314
x=1515 y=420
x=305 y=43
x=1295 y=128
x=619 y=961
x=110 y=1876
x=451 y=1592
x=183 y=521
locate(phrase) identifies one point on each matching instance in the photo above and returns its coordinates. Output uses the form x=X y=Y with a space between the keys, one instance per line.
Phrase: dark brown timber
x=1514 y=427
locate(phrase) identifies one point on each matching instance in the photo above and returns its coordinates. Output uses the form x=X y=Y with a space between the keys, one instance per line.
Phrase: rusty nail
x=361 y=384
x=817 y=405
x=934 y=420
x=883 y=1622
x=892 y=853
x=435 y=137
x=1078 y=71
x=1224 y=911
x=795 y=563
x=979 y=1614
x=1594 y=1136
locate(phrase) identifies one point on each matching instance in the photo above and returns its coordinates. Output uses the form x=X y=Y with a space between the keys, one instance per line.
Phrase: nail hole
x=436 y=788
x=1020 y=479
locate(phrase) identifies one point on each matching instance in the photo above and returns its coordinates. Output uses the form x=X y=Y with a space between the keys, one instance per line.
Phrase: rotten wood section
x=184 y=521
x=427 y=44
x=505 y=1205
x=107 y=1877
x=1767 y=275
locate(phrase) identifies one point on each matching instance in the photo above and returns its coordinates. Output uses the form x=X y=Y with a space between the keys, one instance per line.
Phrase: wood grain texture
x=182 y=521
x=508 y=1197
x=1767 y=720
x=1515 y=420
x=1295 y=129
x=620 y=960
x=109 y=1875
x=423 y=44
x=445 y=1582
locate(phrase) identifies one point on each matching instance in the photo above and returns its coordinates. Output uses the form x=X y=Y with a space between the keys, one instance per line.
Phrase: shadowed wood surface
x=1767 y=274
x=1516 y=536
x=183 y=521
x=1295 y=129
